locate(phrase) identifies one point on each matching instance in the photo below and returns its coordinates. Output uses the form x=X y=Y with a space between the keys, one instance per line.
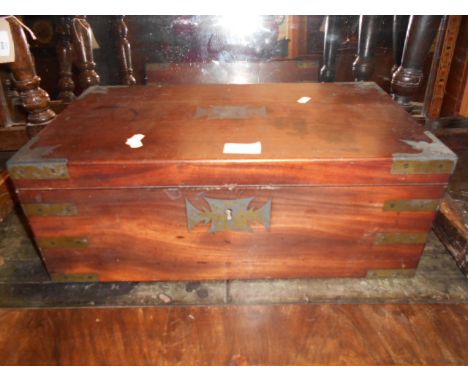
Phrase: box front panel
x=239 y=233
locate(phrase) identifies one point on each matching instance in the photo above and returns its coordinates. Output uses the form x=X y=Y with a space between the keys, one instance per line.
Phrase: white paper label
x=7 y=49
x=243 y=148
x=4 y=44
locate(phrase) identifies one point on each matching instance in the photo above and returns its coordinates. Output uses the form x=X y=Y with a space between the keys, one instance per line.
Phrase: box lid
x=298 y=134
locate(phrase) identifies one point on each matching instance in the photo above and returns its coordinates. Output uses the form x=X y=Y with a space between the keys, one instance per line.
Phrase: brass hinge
x=382 y=238
x=411 y=205
x=391 y=273
x=406 y=166
x=46 y=209
x=39 y=171
x=74 y=278
x=62 y=242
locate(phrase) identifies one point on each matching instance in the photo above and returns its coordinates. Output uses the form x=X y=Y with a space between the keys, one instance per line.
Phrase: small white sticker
x=243 y=148
x=135 y=141
x=303 y=100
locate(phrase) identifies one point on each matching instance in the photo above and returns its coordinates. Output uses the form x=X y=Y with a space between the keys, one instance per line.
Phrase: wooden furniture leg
x=400 y=26
x=34 y=99
x=408 y=77
x=123 y=51
x=363 y=66
x=83 y=49
x=66 y=84
x=331 y=42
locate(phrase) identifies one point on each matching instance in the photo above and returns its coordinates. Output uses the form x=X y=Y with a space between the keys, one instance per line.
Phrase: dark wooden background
x=158 y=39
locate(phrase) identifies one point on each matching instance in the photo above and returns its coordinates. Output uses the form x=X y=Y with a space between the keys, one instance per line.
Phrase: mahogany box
x=205 y=182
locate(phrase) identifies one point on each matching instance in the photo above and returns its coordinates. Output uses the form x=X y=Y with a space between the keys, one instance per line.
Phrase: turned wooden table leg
x=83 y=50
x=34 y=99
x=400 y=27
x=65 y=57
x=123 y=51
x=363 y=66
x=331 y=42
x=408 y=77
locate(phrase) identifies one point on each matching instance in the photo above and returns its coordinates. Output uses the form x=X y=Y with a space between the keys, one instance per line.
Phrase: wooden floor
x=294 y=334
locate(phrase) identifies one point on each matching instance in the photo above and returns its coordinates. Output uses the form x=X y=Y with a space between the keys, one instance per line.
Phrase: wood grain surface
x=142 y=234
x=237 y=335
x=348 y=133
x=347 y=121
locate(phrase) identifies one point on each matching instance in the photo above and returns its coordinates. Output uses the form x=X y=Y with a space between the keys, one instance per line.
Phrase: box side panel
x=332 y=173
x=239 y=233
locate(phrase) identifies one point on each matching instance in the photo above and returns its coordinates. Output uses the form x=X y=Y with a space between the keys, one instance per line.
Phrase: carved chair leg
x=123 y=51
x=408 y=77
x=66 y=84
x=400 y=27
x=331 y=42
x=363 y=66
x=83 y=50
x=35 y=100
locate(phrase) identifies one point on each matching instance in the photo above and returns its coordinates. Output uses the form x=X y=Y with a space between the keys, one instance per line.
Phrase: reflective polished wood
x=326 y=169
x=237 y=335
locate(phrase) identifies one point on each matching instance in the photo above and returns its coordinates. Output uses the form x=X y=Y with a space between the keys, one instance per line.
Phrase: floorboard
x=294 y=334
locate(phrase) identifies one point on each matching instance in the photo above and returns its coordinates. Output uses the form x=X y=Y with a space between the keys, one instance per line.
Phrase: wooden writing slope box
x=342 y=183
